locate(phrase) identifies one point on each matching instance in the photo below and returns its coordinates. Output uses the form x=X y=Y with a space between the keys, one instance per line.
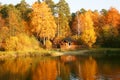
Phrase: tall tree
x=103 y=11
x=24 y=9
x=51 y=5
x=82 y=10
x=2 y=21
x=88 y=35
x=76 y=23
x=14 y=21
x=43 y=22
x=4 y=11
x=63 y=18
x=112 y=17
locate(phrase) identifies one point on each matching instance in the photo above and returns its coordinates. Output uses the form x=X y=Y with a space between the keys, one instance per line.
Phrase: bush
x=21 y=42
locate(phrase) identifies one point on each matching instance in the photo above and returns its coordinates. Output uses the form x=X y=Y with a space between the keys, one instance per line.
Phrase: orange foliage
x=2 y=21
x=113 y=17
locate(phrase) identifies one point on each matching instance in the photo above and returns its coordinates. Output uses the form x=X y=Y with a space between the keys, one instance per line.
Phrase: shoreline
x=43 y=53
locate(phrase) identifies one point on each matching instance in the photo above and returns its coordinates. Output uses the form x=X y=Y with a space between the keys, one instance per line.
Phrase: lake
x=67 y=67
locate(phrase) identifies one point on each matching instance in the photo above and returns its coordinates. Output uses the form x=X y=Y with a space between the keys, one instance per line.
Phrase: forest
x=44 y=24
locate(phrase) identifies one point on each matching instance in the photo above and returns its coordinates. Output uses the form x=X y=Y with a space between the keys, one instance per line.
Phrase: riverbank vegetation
x=45 y=24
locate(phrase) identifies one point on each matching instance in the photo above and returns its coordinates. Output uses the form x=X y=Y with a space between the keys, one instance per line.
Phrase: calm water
x=61 y=68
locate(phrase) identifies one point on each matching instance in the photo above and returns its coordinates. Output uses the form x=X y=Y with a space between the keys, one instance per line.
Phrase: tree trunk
x=44 y=41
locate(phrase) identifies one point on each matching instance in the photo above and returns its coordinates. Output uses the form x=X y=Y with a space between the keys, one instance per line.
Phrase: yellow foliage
x=11 y=43
x=42 y=21
x=21 y=42
x=110 y=31
x=89 y=37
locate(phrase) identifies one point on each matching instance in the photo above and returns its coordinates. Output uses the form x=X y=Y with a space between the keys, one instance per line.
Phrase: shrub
x=21 y=42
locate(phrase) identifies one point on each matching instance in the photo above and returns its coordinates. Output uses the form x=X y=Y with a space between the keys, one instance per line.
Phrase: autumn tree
x=112 y=17
x=95 y=18
x=109 y=28
x=43 y=24
x=14 y=21
x=63 y=18
x=88 y=35
x=2 y=21
x=76 y=24
x=4 y=33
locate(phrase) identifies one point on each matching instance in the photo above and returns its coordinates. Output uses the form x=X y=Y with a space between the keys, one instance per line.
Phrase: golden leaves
x=43 y=21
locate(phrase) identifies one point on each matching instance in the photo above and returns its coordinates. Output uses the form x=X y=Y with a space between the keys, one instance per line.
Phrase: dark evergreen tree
x=24 y=9
x=51 y=5
x=4 y=11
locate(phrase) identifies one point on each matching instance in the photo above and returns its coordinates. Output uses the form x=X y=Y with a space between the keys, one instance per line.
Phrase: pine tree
x=63 y=18
x=14 y=21
x=51 y=5
x=24 y=9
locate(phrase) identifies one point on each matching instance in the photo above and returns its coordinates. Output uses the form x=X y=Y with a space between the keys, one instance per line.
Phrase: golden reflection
x=88 y=69
x=66 y=67
x=45 y=70
x=16 y=68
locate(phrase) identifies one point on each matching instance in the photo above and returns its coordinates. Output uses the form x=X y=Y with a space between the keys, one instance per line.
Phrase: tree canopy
x=49 y=22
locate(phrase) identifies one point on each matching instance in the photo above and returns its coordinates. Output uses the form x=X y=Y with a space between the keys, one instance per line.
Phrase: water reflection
x=88 y=69
x=78 y=68
x=61 y=68
x=45 y=70
x=14 y=69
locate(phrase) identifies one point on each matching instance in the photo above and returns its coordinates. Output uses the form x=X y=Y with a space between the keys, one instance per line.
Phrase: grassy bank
x=35 y=53
x=43 y=52
x=94 y=52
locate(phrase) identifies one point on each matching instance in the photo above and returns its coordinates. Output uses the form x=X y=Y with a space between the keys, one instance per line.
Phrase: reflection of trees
x=88 y=69
x=48 y=69
x=45 y=70
x=14 y=69
x=64 y=71
x=66 y=66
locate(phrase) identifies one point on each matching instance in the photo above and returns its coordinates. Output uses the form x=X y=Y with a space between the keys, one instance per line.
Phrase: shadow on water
x=67 y=67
